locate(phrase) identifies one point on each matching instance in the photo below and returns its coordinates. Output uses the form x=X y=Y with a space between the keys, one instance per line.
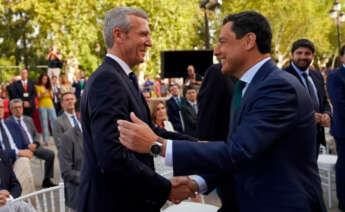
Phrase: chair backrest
x=191 y=206
x=50 y=199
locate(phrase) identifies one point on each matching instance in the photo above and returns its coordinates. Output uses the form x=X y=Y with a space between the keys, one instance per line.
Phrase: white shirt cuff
x=168 y=153
x=201 y=182
x=17 y=152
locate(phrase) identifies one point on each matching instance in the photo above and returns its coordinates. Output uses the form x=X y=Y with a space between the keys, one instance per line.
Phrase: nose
x=149 y=41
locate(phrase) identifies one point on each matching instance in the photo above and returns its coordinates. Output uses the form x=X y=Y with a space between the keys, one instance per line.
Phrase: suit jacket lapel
x=262 y=73
x=133 y=91
x=292 y=71
x=66 y=121
x=316 y=83
x=125 y=78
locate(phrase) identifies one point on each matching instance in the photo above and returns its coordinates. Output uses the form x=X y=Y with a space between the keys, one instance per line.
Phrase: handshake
x=182 y=188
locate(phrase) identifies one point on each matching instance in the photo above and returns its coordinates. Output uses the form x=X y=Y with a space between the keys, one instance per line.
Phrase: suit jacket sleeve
x=15 y=188
x=172 y=135
x=65 y=154
x=324 y=100
x=336 y=87
x=57 y=133
x=107 y=103
x=273 y=112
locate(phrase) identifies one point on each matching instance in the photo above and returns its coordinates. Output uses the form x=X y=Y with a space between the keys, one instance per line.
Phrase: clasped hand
x=182 y=188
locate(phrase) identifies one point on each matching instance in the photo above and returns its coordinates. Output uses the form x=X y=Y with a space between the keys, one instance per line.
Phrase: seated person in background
x=67 y=120
x=192 y=77
x=189 y=111
x=11 y=143
x=9 y=185
x=159 y=116
x=71 y=159
x=32 y=140
x=147 y=95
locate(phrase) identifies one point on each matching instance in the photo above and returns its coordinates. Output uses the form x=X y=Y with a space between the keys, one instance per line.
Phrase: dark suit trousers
x=340 y=172
x=48 y=156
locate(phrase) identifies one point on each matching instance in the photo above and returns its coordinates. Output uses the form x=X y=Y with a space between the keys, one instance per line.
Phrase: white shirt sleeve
x=168 y=154
x=201 y=182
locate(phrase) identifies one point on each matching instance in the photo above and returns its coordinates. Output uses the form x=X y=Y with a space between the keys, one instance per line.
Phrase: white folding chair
x=40 y=200
x=326 y=164
x=191 y=206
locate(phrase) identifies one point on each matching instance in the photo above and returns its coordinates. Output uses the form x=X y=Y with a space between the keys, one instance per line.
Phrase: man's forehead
x=303 y=49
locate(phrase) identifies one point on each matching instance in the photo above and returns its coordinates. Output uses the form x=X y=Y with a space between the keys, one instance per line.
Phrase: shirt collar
x=69 y=114
x=299 y=71
x=16 y=118
x=343 y=65
x=249 y=75
x=123 y=65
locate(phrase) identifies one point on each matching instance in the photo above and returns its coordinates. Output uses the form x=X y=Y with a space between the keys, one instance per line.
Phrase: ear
x=250 y=41
x=118 y=35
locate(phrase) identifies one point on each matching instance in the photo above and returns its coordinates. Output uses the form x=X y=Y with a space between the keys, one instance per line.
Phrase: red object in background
x=36 y=117
x=6 y=108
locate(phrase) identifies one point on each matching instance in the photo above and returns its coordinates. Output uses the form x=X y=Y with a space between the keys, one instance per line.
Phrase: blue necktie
x=75 y=122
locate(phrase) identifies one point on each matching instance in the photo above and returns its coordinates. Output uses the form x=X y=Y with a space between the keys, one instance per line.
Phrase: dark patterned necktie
x=311 y=92
x=26 y=137
x=238 y=94
x=134 y=80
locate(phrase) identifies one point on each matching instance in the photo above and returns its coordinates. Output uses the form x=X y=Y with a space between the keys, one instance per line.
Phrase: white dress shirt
x=10 y=139
x=22 y=122
x=123 y=65
x=247 y=78
x=69 y=116
x=300 y=74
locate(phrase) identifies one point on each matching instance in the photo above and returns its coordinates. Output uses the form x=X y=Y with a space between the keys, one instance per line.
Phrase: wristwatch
x=156 y=149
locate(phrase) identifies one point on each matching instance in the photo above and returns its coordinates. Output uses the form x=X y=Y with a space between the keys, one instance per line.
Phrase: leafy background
x=29 y=27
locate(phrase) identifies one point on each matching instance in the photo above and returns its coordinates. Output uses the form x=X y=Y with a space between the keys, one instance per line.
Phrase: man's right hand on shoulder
x=25 y=153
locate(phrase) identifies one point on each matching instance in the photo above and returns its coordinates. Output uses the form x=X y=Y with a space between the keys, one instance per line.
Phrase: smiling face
x=302 y=57
x=133 y=44
x=230 y=50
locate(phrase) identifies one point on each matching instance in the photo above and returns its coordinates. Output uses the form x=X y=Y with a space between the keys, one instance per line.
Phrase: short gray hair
x=118 y=18
x=15 y=101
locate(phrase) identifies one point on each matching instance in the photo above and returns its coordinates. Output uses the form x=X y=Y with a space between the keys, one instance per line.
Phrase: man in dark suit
x=214 y=100
x=174 y=105
x=11 y=142
x=71 y=159
x=302 y=53
x=8 y=180
x=189 y=111
x=270 y=148
x=114 y=178
x=56 y=94
x=79 y=85
x=67 y=119
x=336 y=91
x=32 y=140
x=24 y=89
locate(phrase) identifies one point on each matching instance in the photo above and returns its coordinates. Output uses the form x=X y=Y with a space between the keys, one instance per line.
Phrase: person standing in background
x=45 y=106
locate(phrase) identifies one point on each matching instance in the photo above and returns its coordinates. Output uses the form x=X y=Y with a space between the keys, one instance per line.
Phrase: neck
x=118 y=53
x=252 y=61
x=70 y=111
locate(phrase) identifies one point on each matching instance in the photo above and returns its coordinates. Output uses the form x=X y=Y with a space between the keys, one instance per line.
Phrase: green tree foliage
x=30 y=27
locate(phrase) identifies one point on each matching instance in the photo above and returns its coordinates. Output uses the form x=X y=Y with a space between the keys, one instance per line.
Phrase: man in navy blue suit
x=336 y=91
x=114 y=178
x=174 y=105
x=270 y=147
x=302 y=55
